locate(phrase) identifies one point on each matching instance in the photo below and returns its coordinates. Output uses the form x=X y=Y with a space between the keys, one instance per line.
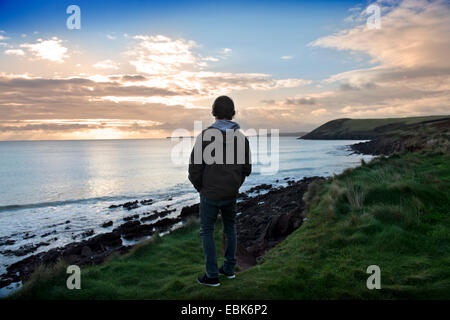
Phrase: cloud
x=68 y=108
x=211 y=59
x=133 y=78
x=43 y=127
x=51 y=50
x=213 y=83
x=297 y=101
x=413 y=33
x=161 y=55
x=175 y=63
x=16 y=52
x=106 y=64
x=168 y=90
x=321 y=111
x=282 y=117
x=410 y=75
x=111 y=37
x=34 y=102
x=286 y=57
x=300 y=101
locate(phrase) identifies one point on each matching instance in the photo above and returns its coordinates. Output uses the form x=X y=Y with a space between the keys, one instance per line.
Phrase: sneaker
x=212 y=282
x=228 y=275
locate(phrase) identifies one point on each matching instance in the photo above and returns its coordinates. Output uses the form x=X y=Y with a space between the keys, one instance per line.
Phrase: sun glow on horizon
x=142 y=83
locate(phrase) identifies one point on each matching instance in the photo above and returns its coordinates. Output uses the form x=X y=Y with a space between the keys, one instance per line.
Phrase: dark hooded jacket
x=217 y=169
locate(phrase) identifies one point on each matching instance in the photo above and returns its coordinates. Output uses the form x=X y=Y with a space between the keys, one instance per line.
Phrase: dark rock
x=190 y=211
x=150 y=217
x=165 y=223
x=165 y=212
x=134 y=229
x=107 y=224
x=242 y=196
x=282 y=225
x=139 y=231
x=127 y=205
x=123 y=228
x=131 y=205
x=86 y=251
x=104 y=241
x=87 y=233
x=48 y=233
x=381 y=145
x=7 y=242
x=24 y=250
x=267 y=219
x=129 y=218
x=146 y=202
x=260 y=187
x=100 y=247
x=157 y=214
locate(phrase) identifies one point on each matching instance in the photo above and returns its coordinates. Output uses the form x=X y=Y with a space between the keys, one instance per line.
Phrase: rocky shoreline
x=378 y=146
x=263 y=220
x=433 y=135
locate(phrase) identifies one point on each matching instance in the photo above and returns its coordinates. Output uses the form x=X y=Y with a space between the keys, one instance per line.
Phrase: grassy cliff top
x=367 y=128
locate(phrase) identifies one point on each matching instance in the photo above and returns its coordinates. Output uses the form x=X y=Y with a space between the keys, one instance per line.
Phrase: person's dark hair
x=223 y=108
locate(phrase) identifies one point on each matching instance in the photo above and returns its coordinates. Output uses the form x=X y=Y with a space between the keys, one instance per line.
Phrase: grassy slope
x=393 y=212
x=363 y=128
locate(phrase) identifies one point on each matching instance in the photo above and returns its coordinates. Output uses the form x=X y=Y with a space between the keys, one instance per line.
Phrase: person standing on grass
x=219 y=163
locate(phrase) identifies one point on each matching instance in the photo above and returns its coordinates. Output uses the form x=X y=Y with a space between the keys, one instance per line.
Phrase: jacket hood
x=225 y=125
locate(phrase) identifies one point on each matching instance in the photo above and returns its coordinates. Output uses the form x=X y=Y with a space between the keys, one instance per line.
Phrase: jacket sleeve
x=247 y=167
x=196 y=164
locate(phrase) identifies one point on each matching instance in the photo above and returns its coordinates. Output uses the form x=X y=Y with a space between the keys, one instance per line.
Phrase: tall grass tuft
x=355 y=194
x=313 y=190
x=42 y=275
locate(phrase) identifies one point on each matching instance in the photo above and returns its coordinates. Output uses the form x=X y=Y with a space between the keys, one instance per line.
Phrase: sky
x=142 y=69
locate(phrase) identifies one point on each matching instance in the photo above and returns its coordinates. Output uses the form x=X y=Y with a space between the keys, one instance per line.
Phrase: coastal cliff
x=366 y=129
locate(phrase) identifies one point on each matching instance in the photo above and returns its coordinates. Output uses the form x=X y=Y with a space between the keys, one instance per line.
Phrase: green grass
x=392 y=212
x=367 y=128
x=371 y=124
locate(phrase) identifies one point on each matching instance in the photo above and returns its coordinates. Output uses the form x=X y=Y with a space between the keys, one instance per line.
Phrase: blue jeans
x=209 y=210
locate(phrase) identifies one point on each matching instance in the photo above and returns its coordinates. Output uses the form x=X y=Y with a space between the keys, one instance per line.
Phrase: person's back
x=224 y=163
x=219 y=163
